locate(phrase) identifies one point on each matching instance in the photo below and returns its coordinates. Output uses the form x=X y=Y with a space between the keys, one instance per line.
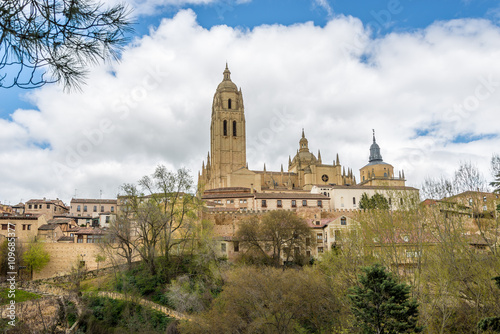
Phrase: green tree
x=491 y=323
x=377 y=201
x=36 y=257
x=160 y=215
x=381 y=305
x=55 y=41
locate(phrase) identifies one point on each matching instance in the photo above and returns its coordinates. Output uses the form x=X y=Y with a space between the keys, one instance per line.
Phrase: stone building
x=226 y=165
x=47 y=207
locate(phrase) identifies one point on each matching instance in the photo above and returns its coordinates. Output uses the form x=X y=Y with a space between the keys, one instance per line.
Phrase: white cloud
x=325 y=5
x=442 y=82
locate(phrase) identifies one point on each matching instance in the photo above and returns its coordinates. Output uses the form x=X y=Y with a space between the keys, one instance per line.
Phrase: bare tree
x=283 y=232
x=495 y=170
x=161 y=212
x=120 y=238
x=60 y=38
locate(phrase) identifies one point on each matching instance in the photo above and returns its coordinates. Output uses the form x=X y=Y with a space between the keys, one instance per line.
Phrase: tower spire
x=319 y=157
x=375 y=150
x=227 y=73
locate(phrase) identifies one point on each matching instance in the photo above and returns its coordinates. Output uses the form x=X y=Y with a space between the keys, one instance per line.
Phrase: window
x=84 y=208
x=343 y=221
x=4 y=227
x=320 y=249
x=319 y=237
x=48 y=206
x=470 y=201
x=308 y=253
x=308 y=242
x=35 y=206
x=264 y=203
x=410 y=254
x=279 y=204
x=401 y=201
x=318 y=222
x=107 y=219
x=320 y=203
x=304 y=202
x=234 y=128
x=112 y=209
x=227 y=202
x=294 y=203
x=223 y=247
x=102 y=208
x=95 y=208
x=229 y=104
x=354 y=201
x=484 y=199
x=390 y=201
x=90 y=239
x=385 y=174
x=236 y=246
x=29 y=206
x=28 y=227
x=225 y=128
x=79 y=239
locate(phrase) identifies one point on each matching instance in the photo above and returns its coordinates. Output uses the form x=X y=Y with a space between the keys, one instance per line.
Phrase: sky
x=425 y=75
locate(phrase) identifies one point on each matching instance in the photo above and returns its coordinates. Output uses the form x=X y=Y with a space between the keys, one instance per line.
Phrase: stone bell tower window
x=234 y=128
x=229 y=104
x=225 y=127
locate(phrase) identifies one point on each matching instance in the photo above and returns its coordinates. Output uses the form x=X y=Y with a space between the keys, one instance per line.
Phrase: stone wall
x=66 y=256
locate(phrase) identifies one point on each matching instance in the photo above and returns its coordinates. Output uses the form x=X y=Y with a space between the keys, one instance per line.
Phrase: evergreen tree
x=381 y=305
x=377 y=201
x=491 y=323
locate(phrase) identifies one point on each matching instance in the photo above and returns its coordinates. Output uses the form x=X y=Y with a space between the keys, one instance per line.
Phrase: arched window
x=343 y=221
x=229 y=104
x=225 y=127
x=234 y=127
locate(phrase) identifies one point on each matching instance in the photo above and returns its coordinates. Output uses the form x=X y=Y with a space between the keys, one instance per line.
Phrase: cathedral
x=226 y=165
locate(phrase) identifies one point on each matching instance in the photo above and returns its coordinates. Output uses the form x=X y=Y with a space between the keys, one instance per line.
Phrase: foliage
x=105 y=315
x=159 y=215
x=377 y=201
x=491 y=323
x=20 y=296
x=381 y=305
x=279 y=234
x=36 y=257
x=269 y=300
x=59 y=37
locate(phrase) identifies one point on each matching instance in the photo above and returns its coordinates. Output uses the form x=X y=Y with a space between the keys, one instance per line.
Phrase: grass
x=20 y=296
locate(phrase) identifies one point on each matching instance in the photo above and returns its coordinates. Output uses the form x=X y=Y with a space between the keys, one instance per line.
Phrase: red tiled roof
x=99 y=201
x=290 y=196
x=88 y=230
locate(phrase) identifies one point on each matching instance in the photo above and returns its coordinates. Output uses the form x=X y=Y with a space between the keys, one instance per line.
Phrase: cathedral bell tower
x=227 y=132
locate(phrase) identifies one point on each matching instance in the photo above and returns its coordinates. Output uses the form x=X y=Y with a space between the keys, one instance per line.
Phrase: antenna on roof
x=100 y=194
x=75 y=193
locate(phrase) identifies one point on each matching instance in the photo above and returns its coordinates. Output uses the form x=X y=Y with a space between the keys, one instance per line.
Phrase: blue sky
x=382 y=16
x=424 y=74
